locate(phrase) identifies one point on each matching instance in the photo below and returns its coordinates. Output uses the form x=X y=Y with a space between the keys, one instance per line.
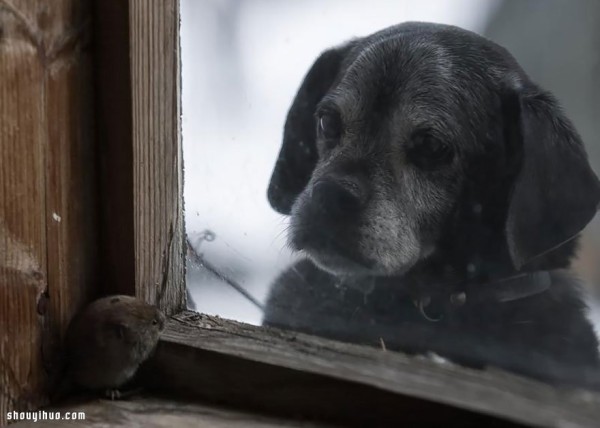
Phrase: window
x=243 y=69
x=107 y=214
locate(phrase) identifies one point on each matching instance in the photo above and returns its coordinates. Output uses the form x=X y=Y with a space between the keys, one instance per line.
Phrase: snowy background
x=242 y=63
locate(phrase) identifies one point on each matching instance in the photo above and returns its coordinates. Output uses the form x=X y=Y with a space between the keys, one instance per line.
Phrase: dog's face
x=397 y=140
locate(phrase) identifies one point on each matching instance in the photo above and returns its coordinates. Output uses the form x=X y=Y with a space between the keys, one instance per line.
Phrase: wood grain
x=163 y=413
x=283 y=371
x=47 y=220
x=157 y=157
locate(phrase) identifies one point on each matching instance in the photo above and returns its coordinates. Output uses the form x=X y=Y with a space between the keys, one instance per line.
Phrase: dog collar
x=503 y=290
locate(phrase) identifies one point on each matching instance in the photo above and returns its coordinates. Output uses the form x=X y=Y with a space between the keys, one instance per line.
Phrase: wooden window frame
x=140 y=243
x=269 y=369
x=138 y=113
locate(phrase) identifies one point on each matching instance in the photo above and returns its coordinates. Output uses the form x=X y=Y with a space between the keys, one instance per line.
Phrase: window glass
x=414 y=189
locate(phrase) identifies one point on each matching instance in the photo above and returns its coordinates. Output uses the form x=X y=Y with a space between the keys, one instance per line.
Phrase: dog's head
x=425 y=138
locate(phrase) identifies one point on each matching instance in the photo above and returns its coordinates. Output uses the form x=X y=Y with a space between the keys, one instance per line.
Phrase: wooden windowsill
x=270 y=377
x=144 y=411
x=288 y=373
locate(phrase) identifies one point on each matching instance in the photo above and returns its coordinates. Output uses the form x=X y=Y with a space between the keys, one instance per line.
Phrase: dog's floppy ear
x=555 y=193
x=298 y=155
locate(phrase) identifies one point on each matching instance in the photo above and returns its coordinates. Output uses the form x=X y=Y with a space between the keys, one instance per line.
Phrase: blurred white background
x=243 y=61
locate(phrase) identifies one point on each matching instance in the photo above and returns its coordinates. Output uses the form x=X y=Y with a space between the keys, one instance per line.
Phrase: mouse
x=107 y=342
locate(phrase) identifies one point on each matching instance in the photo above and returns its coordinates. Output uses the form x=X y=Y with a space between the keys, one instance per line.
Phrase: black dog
x=437 y=193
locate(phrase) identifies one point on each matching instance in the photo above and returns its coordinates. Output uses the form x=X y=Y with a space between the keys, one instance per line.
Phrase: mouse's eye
x=154 y=321
x=428 y=152
x=329 y=128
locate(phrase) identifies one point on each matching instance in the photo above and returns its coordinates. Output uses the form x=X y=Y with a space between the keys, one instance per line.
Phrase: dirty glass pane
x=414 y=189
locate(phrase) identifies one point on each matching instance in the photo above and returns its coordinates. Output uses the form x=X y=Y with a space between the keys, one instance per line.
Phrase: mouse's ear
x=298 y=155
x=555 y=193
x=118 y=330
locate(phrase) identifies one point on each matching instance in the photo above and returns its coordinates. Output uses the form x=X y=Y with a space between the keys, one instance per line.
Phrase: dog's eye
x=329 y=128
x=428 y=152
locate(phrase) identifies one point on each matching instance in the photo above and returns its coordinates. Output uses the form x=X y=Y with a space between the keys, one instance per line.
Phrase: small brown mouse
x=106 y=343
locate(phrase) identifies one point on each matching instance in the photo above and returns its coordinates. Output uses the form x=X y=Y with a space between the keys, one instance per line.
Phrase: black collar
x=503 y=290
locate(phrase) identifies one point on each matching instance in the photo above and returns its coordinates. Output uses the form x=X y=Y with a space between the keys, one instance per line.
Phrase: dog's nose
x=337 y=197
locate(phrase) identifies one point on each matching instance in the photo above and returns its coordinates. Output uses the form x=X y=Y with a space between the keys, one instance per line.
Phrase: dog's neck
x=437 y=295
x=445 y=283
x=452 y=278
x=451 y=296
x=473 y=256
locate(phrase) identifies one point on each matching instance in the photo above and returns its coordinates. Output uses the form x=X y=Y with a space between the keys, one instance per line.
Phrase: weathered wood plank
x=47 y=222
x=157 y=157
x=71 y=220
x=161 y=413
x=23 y=274
x=137 y=81
x=279 y=370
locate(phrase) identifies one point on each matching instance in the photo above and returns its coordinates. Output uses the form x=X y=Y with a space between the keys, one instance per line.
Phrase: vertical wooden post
x=157 y=158
x=47 y=189
x=138 y=115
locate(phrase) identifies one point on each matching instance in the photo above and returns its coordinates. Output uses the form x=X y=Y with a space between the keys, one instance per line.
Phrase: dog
x=437 y=194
